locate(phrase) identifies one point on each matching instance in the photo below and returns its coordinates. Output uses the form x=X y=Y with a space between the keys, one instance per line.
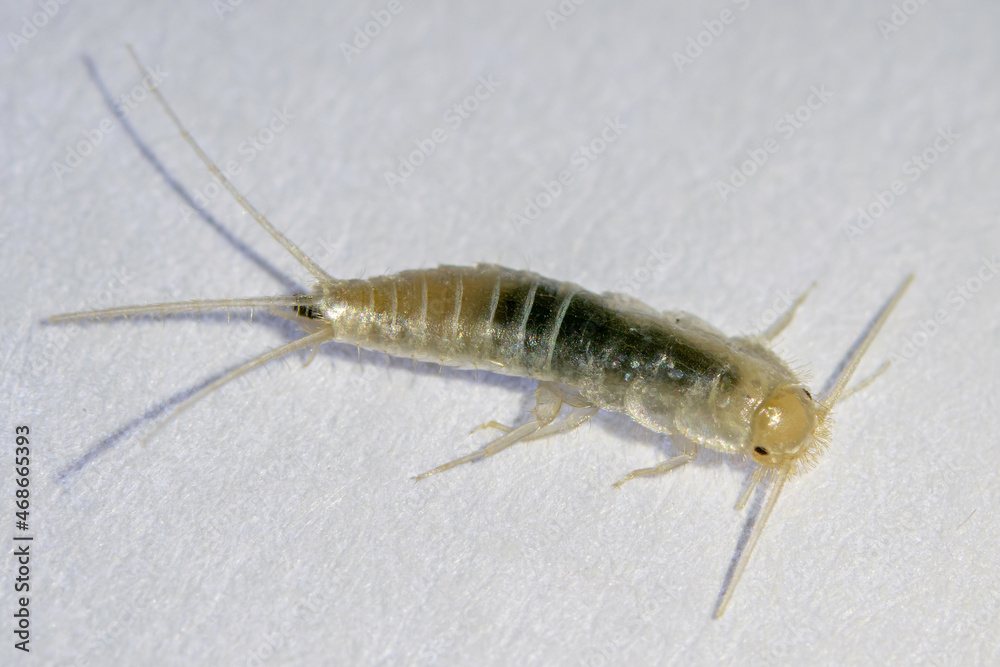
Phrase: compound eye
x=760 y=450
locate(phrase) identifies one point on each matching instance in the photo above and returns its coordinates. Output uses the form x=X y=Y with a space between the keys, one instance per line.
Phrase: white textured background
x=275 y=523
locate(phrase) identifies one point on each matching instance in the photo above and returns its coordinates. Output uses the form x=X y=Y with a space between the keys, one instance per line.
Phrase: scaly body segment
x=517 y=323
x=668 y=371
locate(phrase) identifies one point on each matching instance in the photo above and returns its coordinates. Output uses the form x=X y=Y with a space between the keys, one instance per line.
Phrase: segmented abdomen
x=518 y=323
x=486 y=315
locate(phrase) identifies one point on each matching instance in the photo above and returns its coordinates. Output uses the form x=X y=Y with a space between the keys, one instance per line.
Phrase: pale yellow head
x=786 y=427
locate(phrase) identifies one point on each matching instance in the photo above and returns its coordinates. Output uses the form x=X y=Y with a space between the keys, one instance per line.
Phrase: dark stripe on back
x=540 y=322
x=510 y=309
x=599 y=336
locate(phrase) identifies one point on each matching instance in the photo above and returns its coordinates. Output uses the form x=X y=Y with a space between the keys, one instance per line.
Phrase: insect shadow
x=335 y=352
x=159 y=409
x=290 y=284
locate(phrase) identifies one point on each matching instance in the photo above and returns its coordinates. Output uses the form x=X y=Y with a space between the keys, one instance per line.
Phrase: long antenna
x=195 y=306
x=293 y=249
x=845 y=375
x=782 y=475
x=299 y=343
x=758 y=528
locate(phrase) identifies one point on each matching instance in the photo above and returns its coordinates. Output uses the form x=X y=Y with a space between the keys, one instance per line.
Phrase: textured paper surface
x=275 y=522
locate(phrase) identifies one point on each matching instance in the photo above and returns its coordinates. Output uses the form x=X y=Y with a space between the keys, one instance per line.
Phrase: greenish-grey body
x=520 y=323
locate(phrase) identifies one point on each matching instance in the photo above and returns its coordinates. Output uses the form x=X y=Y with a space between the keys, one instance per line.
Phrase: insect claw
x=492 y=424
x=659 y=468
x=631 y=475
